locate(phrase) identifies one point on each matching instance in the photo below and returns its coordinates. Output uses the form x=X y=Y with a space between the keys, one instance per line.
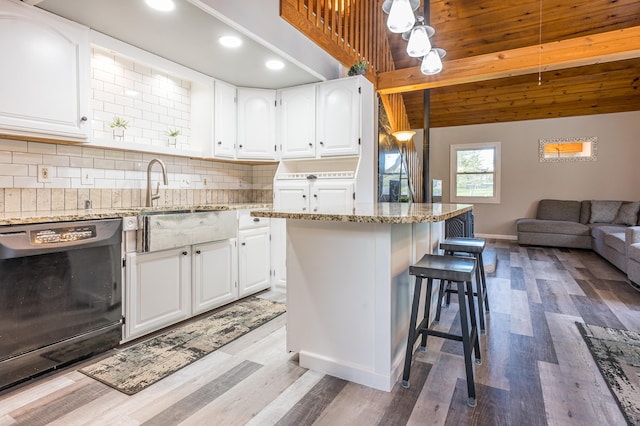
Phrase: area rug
x=137 y=367
x=617 y=354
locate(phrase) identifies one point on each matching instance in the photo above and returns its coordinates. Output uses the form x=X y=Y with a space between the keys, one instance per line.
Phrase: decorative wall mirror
x=568 y=149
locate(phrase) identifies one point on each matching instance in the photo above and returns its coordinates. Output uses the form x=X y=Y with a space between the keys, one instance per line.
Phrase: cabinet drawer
x=245 y=221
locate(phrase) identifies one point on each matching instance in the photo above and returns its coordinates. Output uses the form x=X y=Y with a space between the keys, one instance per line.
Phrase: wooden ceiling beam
x=593 y=49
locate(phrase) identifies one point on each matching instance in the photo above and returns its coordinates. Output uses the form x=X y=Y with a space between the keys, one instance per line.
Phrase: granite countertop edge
x=51 y=216
x=369 y=217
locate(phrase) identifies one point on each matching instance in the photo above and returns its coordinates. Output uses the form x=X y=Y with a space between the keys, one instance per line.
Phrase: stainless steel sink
x=167 y=229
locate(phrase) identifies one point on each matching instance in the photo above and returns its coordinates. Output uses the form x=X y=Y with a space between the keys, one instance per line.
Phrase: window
x=475 y=173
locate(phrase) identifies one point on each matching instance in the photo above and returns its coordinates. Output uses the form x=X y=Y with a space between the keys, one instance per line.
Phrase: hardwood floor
x=536 y=368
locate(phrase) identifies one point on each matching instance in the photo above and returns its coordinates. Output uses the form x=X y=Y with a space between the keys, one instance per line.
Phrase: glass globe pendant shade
x=419 y=44
x=401 y=17
x=431 y=64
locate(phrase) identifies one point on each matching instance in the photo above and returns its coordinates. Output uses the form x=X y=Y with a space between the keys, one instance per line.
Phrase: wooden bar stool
x=459 y=270
x=474 y=248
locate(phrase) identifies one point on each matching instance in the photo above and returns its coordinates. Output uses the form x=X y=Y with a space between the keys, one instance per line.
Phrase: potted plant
x=173 y=136
x=359 y=68
x=118 y=125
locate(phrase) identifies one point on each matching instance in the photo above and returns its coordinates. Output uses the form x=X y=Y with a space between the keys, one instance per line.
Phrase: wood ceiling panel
x=595 y=89
x=468 y=28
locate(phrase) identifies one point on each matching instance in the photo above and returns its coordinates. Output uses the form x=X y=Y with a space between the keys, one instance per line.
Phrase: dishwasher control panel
x=63 y=235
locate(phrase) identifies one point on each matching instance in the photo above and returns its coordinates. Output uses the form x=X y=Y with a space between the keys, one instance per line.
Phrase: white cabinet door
x=224 y=121
x=215 y=275
x=157 y=290
x=297 y=122
x=328 y=193
x=256 y=124
x=291 y=195
x=44 y=76
x=254 y=263
x=278 y=229
x=338 y=117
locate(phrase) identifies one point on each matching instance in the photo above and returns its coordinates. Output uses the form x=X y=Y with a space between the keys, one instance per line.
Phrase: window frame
x=453 y=171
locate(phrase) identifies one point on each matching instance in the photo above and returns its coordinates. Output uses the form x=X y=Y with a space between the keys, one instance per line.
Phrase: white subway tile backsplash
x=6 y=182
x=14 y=170
x=27 y=158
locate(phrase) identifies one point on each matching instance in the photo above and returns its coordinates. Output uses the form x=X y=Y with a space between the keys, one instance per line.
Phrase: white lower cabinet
x=157 y=291
x=311 y=195
x=215 y=275
x=255 y=266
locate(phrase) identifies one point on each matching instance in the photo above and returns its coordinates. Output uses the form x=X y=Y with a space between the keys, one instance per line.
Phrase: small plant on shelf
x=119 y=125
x=359 y=68
x=173 y=137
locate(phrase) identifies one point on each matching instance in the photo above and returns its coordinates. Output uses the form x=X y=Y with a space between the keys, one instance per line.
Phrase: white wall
x=525 y=180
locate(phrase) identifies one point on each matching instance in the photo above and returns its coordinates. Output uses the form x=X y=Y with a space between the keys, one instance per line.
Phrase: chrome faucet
x=150 y=196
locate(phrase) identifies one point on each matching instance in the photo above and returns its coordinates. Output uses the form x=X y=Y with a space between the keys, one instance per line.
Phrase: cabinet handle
x=83 y=118
x=184 y=253
x=256 y=219
x=198 y=252
x=219 y=142
x=244 y=244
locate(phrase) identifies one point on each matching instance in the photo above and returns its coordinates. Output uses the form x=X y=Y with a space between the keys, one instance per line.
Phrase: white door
x=278 y=229
x=157 y=290
x=44 y=76
x=256 y=124
x=297 y=122
x=224 y=121
x=331 y=194
x=291 y=195
x=338 y=117
x=254 y=263
x=215 y=275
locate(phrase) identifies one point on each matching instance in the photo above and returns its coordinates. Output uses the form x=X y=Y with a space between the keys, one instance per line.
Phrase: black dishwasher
x=60 y=295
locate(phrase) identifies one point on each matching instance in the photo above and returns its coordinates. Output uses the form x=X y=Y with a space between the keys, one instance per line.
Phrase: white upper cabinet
x=338 y=117
x=224 y=121
x=297 y=122
x=44 y=76
x=256 y=124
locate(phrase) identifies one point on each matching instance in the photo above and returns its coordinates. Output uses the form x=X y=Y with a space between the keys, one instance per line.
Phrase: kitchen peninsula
x=349 y=290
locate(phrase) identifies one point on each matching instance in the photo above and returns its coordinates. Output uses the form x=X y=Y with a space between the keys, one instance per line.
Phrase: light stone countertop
x=48 y=216
x=374 y=213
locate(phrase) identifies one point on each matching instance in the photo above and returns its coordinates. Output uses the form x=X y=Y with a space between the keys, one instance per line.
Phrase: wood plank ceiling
x=466 y=28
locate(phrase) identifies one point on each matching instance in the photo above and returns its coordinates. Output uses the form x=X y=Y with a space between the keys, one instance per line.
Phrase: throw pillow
x=628 y=214
x=604 y=211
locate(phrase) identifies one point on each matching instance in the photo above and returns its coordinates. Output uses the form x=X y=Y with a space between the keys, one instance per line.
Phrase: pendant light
x=419 y=44
x=401 y=16
x=431 y=64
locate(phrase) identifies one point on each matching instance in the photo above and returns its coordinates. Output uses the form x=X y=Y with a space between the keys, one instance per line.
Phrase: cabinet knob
x=315 y=195
x=219 y=142
x=198 y=252
x=256 y=219
x=240 y=145
x=304 y=196
x=244 y=244
x=184 y=253
x=321 y=143
x=310 y=144
x=83 y=118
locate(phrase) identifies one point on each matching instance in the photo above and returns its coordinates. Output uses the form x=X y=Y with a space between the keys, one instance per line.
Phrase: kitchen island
x=348 y=285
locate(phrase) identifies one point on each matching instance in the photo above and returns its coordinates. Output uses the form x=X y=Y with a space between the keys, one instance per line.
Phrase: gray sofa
x=610 y=228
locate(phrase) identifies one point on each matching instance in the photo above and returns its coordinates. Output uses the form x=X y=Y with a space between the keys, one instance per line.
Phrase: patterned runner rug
x=137 y=367
x=617 y=354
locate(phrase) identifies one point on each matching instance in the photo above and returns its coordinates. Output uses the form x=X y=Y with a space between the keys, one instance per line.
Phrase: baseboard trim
x=497 y=237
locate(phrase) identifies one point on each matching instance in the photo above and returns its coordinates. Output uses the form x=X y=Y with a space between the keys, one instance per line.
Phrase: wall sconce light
x=403 y=135
x=400 y=13
x=432 y=63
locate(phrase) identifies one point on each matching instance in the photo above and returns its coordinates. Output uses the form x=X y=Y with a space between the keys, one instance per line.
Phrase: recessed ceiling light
x=274 y=64
x=161 y=5
x=230 y=41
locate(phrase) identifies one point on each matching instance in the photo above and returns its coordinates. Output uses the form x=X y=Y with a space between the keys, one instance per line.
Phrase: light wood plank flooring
x=536 y=369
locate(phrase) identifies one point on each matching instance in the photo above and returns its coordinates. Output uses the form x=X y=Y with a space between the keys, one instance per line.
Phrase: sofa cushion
x=616 y=242
x=552 y=227
x=633 y=251
x=585 y=211
x=599 y=231
x=604 y=211
x=627 y=214
x=559 y=210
